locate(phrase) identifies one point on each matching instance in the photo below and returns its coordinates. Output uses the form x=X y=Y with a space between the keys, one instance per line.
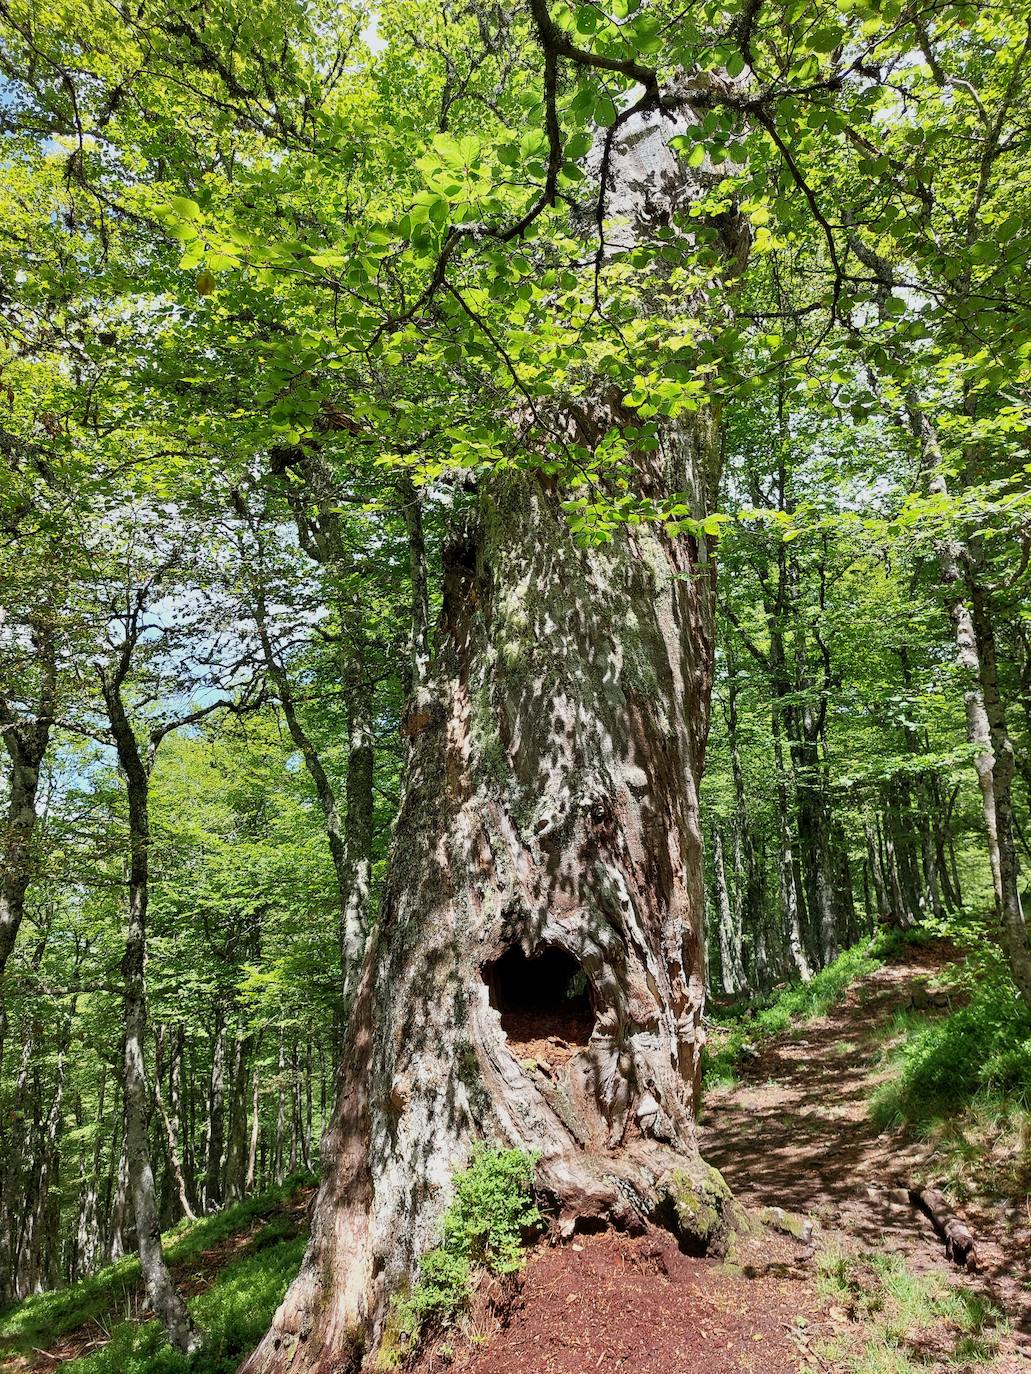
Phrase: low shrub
x=486 y=1226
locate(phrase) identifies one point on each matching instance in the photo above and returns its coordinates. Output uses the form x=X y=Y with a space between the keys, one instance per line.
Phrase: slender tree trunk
x=175 y=1165
x=26 y=741
x=787 y=868
x=418 y=569
x=164 y=1297
x=24 y=1114
x=350 y=843
x=751 y=912
x=986 y=722
x=1014 y=927
x=216 y=1116
x=237 y=1150
x=252 y=1148
x=119 y=1193
x=88 y=1247
x=277 y=1162
x=357 y=891
x=18 y=1192
x=36 y=1261
x=728 y=923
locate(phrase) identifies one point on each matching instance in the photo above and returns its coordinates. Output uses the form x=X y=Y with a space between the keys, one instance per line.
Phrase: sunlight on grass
x=750 y=1024
x=234 y=1310
x=901 y=1322
x=961 y=1079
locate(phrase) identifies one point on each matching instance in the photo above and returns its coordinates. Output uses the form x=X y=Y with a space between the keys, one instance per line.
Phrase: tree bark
x=350 y=840
x=216 y=1116
x=255 y=1128
x=170 y=1122
x=164 y=1298
x=550 y=804
x=26 y=740
x=728 y=922
x=1014 y=926
x=987 y=729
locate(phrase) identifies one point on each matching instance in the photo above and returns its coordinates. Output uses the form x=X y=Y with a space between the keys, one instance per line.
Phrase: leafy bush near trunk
x=485 y=1226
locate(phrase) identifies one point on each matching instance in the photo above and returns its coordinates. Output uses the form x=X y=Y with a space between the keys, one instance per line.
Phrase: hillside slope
x=234 y=1268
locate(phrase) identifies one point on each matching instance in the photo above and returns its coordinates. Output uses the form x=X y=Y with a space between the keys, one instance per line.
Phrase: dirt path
x=795 y=1133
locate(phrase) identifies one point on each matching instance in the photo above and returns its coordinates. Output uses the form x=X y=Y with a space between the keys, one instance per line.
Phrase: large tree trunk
x=548 y=829
x=536 y=975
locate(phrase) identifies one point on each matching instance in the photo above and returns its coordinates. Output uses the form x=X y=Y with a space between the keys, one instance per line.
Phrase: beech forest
x=515 y=686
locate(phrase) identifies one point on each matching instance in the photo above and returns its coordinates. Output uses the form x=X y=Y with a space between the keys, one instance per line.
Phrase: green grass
x=963 y=1080
x=234 y=1310
x=751 y=1024
x=979 y=1053
x=902 y=1322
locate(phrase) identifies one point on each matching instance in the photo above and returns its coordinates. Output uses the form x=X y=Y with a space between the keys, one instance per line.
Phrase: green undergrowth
x=898 y=1322
x=486 y=1227
x=747 y=1025
x=962 y=1078
x=234 y=1309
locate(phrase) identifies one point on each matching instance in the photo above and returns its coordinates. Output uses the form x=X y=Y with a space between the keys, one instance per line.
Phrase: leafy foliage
x=486 y=1226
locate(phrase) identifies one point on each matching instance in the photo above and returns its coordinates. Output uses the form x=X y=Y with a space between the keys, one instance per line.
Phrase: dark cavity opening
x=544 y=1002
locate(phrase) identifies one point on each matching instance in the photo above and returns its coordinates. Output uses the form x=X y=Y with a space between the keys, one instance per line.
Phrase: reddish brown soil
x=550 y=1038
x=610 y=1303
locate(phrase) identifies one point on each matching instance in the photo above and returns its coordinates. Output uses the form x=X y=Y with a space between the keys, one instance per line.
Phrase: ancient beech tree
x=545 y=881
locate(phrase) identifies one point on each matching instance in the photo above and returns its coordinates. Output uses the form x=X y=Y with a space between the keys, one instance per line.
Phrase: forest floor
x=871 y=1293
x=797 y=1132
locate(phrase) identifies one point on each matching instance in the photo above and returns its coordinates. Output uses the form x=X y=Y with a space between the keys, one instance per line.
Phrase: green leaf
x=826 y=40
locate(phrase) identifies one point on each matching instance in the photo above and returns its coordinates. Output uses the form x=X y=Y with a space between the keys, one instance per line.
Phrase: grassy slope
x=963 y=1079
x=234 y=1308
